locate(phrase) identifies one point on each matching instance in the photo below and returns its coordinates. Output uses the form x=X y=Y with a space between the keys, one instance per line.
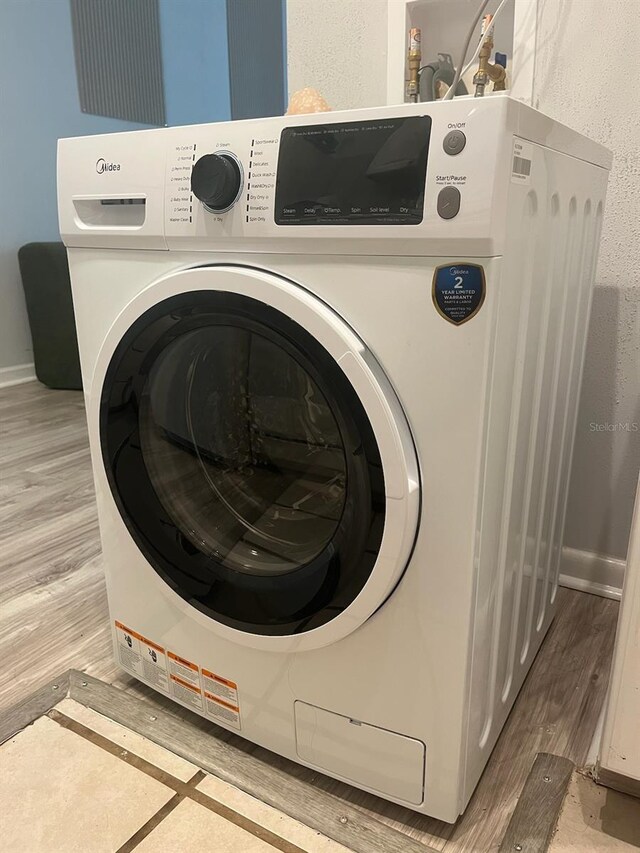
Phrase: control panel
x=340 y=173
x=384 y=175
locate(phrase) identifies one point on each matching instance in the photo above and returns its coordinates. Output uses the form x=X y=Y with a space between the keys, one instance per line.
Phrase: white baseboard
x=17 y=374
x=591 y=572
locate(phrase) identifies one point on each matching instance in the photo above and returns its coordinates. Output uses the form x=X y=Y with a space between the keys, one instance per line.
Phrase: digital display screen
x=353 y=173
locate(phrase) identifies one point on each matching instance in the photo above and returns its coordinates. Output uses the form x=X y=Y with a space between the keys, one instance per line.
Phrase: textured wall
x=588 y=76
x=340 y=48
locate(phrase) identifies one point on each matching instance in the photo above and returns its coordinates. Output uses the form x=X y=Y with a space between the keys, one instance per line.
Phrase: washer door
x=257 y=456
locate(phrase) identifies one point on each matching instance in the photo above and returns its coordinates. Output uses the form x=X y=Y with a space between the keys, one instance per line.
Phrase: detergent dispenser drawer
x=374 y=758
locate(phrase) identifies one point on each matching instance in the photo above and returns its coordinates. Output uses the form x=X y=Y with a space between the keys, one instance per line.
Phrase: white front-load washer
x=331 y=367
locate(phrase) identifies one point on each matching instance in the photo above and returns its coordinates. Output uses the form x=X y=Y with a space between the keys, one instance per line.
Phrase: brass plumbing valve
x=414 y=60
x=488 y=70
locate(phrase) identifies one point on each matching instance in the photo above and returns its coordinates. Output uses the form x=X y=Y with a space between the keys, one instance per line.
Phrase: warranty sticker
x=458 y=291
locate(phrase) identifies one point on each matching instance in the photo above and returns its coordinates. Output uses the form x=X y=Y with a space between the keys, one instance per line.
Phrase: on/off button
x=448 y=204
x=454 y=142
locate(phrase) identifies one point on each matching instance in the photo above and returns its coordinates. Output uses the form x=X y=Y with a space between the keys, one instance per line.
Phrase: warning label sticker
x=221 y=711
x=200 y=689
x=142 y=656
x=221 y=698
x=185 y=669
x=186 y=692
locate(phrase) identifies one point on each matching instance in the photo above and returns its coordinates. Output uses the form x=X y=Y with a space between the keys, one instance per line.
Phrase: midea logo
x=103 y=166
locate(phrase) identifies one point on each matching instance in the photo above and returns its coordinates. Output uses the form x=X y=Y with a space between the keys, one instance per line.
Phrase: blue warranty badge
x=459 y=291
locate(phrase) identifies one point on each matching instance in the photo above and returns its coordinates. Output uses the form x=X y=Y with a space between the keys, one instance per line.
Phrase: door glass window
x=243 y=450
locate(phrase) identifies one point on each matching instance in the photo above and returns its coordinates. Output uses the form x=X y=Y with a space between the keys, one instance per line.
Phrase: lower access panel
x=374 y=758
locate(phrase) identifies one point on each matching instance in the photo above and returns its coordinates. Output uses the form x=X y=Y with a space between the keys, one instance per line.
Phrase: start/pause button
x=448 y=203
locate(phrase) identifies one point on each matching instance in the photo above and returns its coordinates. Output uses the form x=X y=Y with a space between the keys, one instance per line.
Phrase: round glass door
x=242 y=462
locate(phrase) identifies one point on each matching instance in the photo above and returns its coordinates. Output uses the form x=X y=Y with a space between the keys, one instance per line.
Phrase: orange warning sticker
x=200 y=689
x=221 y=697
x=139 y=637
x=220 y=702
x=186 y=663
x=185 y=684
x=186 y=692
x=230 y=684
x=142 y=656
x=185 y=669
x=221 y=711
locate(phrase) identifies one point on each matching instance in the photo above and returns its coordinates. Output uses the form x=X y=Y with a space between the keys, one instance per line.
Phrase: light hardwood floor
x=53 y=616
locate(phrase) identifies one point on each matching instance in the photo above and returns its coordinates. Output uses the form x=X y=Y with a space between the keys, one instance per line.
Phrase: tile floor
x=76 y=782
x=596 y=819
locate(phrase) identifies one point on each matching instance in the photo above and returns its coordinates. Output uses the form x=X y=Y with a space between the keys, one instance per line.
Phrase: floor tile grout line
x=197 y=777
x=116 y=750
x=187 y=790
x=154 y=821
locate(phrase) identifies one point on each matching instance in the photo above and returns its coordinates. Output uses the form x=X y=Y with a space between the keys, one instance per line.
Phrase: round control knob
x=216 y=180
